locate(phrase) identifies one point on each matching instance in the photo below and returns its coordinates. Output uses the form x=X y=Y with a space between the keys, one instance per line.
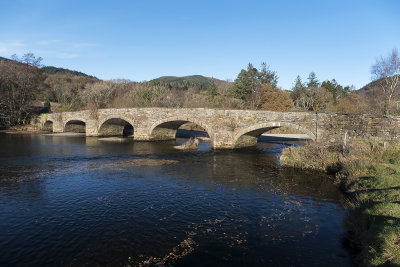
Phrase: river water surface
x=81 y=201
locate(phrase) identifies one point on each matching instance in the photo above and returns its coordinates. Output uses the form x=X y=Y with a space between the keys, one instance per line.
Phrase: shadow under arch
x=248 y=136
x=166 y=129
x=48 y=126
x=115 y=126
x=75 y=126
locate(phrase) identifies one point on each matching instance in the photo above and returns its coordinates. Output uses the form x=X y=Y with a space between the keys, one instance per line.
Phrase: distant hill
x=191 y=78
x=5 y=59
x=185 y=82
x=55 y=70
x=370 y=86
x=366 y=89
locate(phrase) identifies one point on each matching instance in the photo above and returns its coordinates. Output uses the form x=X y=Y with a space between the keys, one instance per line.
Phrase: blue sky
x=142 y=40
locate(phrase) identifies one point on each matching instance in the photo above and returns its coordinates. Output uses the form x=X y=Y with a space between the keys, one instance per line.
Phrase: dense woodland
x=26 y=87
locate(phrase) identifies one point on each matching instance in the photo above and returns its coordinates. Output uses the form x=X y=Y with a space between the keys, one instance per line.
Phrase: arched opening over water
x=48 y=126
x=271 y=131
x=75 y=126
x=116 y=127
x=171 y=128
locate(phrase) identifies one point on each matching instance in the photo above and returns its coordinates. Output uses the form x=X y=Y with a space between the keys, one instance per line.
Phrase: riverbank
x=24 y=129
x=368 y=172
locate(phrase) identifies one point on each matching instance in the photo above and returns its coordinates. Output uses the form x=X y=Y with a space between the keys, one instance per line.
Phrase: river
x=83 y=201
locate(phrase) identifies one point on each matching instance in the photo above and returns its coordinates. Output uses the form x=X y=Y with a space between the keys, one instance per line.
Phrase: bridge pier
x=140 y=134
x=91 y=127
x=58 y=126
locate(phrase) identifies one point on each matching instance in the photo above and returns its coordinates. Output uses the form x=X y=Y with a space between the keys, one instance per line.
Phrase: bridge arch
x=165 y=129
x=76 y=125
x=48 y=125
x=115 y=125
x=249 y=135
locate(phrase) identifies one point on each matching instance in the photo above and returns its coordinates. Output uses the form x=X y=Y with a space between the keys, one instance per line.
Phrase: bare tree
x=29 y=59
x=98 y=94
x=19 y=83
x=255 y=99
x=388 y=70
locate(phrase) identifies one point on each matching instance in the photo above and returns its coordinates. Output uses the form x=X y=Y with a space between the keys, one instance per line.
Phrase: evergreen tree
x=249 y=81
x=298 y=89
x=298 y=84
x=241 y=86
x=212 y=89
x=312 y=80
x=335 y=89
x=266 y=76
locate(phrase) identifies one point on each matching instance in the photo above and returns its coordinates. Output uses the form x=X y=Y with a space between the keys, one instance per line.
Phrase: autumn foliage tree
x=276 y=99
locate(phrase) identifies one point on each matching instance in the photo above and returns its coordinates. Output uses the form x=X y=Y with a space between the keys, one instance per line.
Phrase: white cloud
x=81 y=46
x=48 y=42
x=11 y=47
x=52 y=48
x=64 y=55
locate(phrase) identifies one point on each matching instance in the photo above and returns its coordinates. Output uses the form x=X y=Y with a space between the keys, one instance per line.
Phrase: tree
x=311 y=98
x=247 y=85
x=276 y=99
x=255 y=99
x=351 y=103
x=267 y=76
x=20 y=81
x=336 y=89
x=319 y=98
x=66 y=89
x=97 y=95
x=212 y=89
x=388 y=70
x=298 y=84
x=312 y=80
x=297 y=89
x=29 y=59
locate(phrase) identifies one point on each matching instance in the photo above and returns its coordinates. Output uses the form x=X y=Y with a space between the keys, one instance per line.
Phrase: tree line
x=24 y=81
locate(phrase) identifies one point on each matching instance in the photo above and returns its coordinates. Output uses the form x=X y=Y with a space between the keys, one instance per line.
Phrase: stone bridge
x=226 y=128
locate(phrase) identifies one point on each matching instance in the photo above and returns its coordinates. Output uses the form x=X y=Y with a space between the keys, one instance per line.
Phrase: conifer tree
x=312 y=80
x=249 y=81
x=212 y=89
x=267 y=76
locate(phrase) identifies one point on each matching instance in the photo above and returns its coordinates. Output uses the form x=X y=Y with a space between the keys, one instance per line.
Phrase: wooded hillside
x=24 y=81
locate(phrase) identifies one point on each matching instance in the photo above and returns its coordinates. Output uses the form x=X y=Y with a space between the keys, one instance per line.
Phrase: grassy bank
x=368 y=172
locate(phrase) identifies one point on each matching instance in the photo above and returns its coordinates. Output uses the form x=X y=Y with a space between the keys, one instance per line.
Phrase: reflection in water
x=82 y=201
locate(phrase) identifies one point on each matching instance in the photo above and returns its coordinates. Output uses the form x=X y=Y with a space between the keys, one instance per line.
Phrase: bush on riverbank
x=368 y=172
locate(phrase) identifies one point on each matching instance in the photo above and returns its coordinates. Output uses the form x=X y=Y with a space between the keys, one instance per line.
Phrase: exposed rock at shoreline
x=191 y=144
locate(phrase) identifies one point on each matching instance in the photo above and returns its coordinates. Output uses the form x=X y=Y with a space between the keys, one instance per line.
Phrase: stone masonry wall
x=233 y=128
